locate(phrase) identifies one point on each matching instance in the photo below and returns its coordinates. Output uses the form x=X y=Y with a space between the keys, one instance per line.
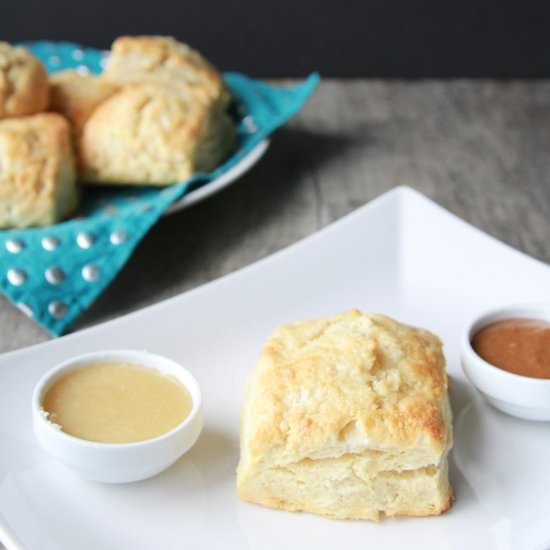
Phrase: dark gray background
x=345 y=38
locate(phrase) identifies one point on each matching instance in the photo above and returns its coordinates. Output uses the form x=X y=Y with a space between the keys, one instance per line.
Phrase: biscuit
x=163 y=60
x=23 y=82
x=76 y=95
x=152 y=134
x=348 y=417
x=37 y=174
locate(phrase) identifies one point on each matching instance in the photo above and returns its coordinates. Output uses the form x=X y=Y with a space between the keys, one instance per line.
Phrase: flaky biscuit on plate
x=348 y=417
x=152 y=134
x=23 y=82
x=37 y=172
x=76 y=95
x=164 y=60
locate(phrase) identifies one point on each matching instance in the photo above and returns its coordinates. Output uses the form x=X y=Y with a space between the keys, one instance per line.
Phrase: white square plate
x=401 y=255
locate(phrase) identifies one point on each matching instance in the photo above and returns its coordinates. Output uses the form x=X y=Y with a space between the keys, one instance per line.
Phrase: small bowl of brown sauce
x=506 y=356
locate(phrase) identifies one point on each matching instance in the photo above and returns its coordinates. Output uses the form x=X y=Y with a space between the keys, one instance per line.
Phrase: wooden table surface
x=479 y=148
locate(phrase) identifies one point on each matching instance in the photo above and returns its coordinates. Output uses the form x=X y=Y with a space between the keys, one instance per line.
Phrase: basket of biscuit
x=95 y=146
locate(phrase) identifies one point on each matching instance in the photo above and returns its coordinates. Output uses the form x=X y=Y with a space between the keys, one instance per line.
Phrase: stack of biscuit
x=37 y=169
x=348 y=417
x=155 y=116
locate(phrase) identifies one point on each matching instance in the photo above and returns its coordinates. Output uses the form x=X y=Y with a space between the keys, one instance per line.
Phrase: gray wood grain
x=479 y=148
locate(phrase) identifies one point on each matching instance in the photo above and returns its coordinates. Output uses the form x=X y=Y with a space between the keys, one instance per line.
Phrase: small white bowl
x=514 y=394
x=118 y=462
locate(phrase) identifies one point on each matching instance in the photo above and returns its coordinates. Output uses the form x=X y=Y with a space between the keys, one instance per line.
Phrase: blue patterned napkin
x=54 y=273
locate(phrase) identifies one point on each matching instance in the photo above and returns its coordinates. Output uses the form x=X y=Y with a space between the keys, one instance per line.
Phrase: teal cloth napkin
x=54 y=273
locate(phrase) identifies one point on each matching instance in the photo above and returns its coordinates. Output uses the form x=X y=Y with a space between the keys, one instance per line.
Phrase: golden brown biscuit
x=348 y=417
x=23 y=82
x=37 y=173
x=76 y=95
x=152 y=134
x=164 y=60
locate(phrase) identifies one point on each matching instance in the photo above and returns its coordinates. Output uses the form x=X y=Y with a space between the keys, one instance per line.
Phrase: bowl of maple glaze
x=121 y=425
x=505 y=354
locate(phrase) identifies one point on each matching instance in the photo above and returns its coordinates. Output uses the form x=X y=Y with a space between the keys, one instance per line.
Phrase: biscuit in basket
x=76 y=95
x=348 y=417
x=23 y=82
x=37 y=174
x=164 y=60
x=151 y=134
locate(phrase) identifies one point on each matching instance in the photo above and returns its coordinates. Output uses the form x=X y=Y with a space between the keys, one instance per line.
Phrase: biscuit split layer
x=348 y=417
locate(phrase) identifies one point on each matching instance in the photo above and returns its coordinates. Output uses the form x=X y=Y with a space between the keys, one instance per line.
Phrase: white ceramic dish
x=118 y=463
x=401 y=254
x=513 y=394
x=201 y=193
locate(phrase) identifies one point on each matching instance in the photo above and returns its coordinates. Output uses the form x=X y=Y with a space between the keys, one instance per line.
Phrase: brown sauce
x=521 y=346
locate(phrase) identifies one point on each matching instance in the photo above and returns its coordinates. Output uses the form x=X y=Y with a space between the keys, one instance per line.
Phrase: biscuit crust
x=37 y=172
x=164 y=60
x=76 y=96
x=152 y=134
x=348 y=416
x=24 y=85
